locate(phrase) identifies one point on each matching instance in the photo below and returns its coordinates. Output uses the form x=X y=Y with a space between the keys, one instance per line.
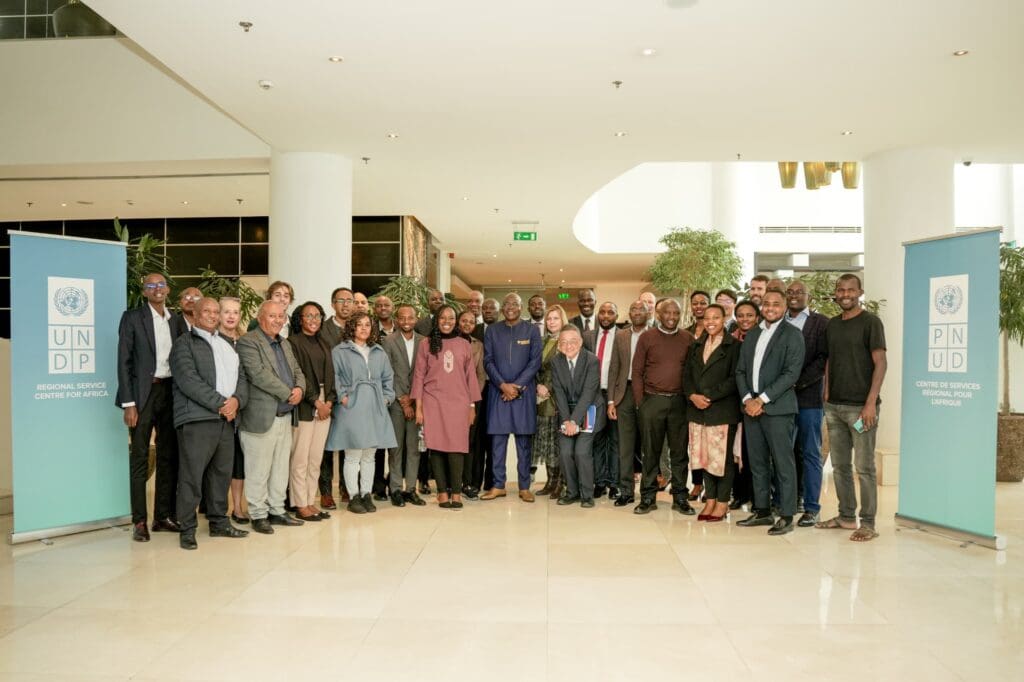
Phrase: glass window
x=374 y=259
x=192 y=260
x=376 y=229
x=202 y=230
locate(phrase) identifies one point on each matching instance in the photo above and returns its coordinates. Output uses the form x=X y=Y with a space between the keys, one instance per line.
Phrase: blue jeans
x=499 y=448
x=808 y=455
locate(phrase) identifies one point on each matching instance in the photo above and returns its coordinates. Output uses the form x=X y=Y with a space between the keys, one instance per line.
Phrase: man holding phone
x=853 y=381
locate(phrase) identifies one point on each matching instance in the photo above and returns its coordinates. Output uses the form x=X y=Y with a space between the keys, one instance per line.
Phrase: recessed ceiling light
x=185 y=202
x=335 y=59
x=846 y=133
x=392 y=136
x=510 y=281
x=648 y=52
x=265 y=84
x=494 y=255
x=63 y=203
x=465 y=198
x=960 y=53
x=561 y=269
x=620 y=133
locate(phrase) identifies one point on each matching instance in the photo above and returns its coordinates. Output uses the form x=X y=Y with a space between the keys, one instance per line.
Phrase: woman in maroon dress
x=445 y=388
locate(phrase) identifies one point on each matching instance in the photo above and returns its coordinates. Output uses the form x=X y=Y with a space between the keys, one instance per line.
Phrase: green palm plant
x=145 y=256
x=1011 y=309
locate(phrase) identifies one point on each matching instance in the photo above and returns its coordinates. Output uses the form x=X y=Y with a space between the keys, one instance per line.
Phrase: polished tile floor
x=507 y=590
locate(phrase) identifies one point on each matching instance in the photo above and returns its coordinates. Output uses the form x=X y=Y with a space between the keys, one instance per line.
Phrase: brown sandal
x=863 y=534
x=835 y=523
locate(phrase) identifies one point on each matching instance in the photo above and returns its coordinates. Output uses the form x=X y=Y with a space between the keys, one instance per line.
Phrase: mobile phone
x=859 y=425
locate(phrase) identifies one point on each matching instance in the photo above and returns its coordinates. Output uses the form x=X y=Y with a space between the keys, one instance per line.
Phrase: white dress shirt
x=633 y=338
x=225 y=362
x=767 y=332
x=163 y=340
x=800 y=320
x=606 y=359
x=587 y=323
x=410 y=347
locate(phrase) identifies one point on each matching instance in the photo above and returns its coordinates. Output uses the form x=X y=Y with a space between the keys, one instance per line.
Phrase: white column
x=733 y=213
x=311 y=223
x=908 y=194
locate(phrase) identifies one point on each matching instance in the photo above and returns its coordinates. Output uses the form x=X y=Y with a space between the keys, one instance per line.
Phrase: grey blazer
x=780 y=367
x=394 y=347
x=266 y=389
x=576 y=392
x=195 y=381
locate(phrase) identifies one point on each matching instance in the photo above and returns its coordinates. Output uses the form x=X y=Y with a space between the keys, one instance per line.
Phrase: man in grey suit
x=434 y=302
x=402 y=349
x=576 y=381
x=276 y=385
x=209 y=391
x=770 y=363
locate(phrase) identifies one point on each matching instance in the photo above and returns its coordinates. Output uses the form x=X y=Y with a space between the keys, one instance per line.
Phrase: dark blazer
x=715 y=380
x=178 y=325
x=307 y=408
x=618 y=370
x=578 y=322
x=809 y=387
x=424 y=325
x=266 y=389
x=394 y=347
x=780 y=367
x=195 y=381
x=576 y=392
x=478 y=332
x=136 y=355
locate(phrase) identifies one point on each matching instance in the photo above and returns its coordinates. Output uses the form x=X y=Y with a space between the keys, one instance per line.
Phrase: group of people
x=734 y=403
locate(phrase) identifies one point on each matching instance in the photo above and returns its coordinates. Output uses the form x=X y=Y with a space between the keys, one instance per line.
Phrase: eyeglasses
x=795 y=292
x=313 y=316
x=154 y=285
x=345 y=301
x=191 y=298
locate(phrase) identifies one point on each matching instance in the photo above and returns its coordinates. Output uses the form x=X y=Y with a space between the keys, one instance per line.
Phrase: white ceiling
x=512 y=104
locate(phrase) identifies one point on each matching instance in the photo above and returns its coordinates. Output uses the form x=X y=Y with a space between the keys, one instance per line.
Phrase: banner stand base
x=996 y=542
x=46 y=533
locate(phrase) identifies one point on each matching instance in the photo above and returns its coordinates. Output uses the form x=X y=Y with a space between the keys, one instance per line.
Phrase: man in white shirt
x=537 y=307
x=586 y=301
x=475 y=304
x=144 y=393
x=770 y=362
x=601 y=342
x=209 y=391
x=404 y=458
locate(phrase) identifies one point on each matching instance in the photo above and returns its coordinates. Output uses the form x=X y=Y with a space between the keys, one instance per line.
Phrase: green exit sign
x=524 y=236
x=563 y=296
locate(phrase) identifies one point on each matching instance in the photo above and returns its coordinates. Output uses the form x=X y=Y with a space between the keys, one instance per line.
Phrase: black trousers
x=207 y=453
x=477 y=471
x=743 y=482
x=606 y=451
x=628 y=424
x=326 y=482
x=157 y=414
x=662 y=416
x=447 y=468
x=576 y=455
x=770 y=438
x=380 y=481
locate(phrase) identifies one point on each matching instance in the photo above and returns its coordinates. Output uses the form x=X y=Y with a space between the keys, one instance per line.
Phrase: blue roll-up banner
x=70 y=446
x=950 y=386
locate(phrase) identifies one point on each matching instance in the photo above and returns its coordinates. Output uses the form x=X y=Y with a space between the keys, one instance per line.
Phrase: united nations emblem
x=948 y=299
x=71 y=301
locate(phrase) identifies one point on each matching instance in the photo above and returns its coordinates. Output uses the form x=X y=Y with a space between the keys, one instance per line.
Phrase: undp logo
x=948 y=299
x=71 y=301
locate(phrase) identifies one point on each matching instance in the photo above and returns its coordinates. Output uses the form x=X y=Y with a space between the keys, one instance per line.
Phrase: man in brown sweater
x=658 y=389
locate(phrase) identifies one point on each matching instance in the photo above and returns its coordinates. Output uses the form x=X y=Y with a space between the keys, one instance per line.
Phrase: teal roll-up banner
x=70 y=446
x=950 y=383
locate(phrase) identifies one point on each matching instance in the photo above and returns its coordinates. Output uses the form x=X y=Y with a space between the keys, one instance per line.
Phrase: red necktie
x=600 y=347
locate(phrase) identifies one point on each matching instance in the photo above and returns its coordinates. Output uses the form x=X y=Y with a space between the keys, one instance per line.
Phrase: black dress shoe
x=324 y=515
x=397 y=499
x=166 y=526
x=228 y=532
x=757 y=519
x=645 y=507
x=283 y=520
x=737 y=504
x=623 y=500
x=241 y=520
x=613 y=492
x=683 y=507
x=568 y=499
x=587 y=504
x=380 y=497
x=470 y=492
x=140 y=533
x=414 y=499
x=425 y=489
x=783 y=525
x=598 y=491
x=447 y=504
x=315 y=518
x=808 y=519
x=188 y=540
x=456 y=505
x=262 y=526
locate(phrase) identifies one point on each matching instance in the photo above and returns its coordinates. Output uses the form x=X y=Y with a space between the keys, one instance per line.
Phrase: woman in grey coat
x=365 y=386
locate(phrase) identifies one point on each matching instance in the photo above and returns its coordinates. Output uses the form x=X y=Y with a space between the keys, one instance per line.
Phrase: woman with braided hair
x=445 y=388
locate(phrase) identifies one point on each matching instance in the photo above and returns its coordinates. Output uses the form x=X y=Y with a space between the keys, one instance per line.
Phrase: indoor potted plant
x=1010 y=439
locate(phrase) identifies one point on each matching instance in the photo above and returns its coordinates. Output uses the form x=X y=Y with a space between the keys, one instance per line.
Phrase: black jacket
x=136 y=355
x=195 y=381
x=716 y=380
x=307 y=407
x=576 y=392
x=809 y=387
